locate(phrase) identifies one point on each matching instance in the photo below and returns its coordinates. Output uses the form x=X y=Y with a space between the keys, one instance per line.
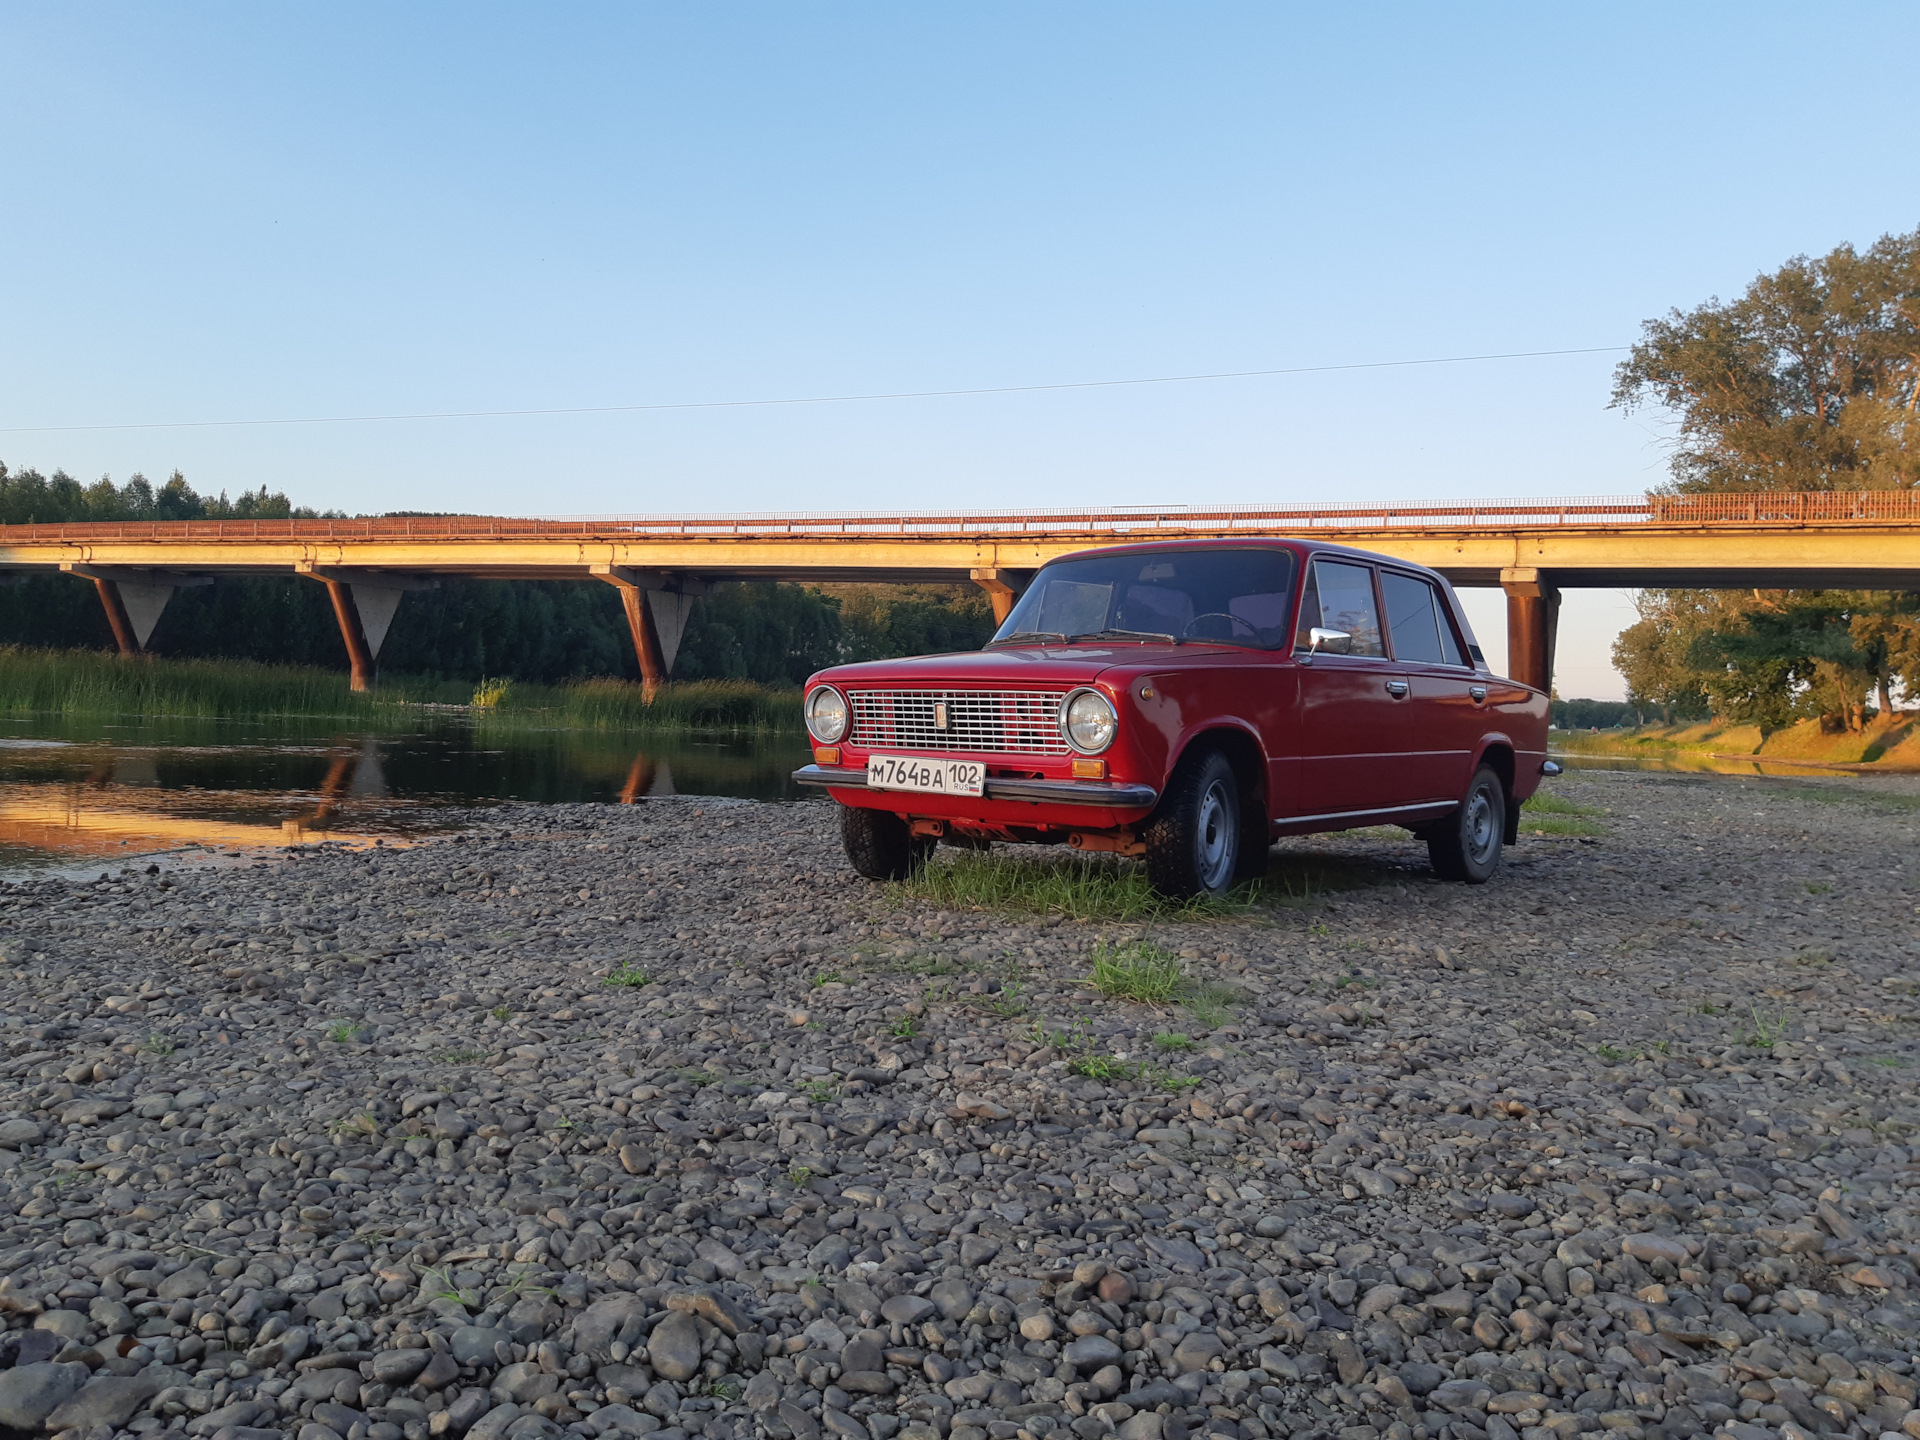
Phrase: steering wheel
x=1231 y=620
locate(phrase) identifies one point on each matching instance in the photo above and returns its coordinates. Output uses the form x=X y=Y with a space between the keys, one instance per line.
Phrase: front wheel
x=1466 y=844
x=1193 y=839
x=879 y=844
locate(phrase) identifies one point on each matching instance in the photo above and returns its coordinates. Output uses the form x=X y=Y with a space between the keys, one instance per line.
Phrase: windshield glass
x=1235 y=597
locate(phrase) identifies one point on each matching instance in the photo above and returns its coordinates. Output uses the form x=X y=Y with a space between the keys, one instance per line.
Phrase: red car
x=1189 y=702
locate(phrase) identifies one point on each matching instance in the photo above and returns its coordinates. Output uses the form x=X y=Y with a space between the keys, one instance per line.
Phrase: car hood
x=1016 y=665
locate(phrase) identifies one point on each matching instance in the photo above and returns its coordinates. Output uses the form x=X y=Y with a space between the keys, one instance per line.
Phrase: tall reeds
x=91 y=682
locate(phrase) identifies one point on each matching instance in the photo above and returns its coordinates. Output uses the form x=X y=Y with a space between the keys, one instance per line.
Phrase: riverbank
x=622 y=1119
x=1891 y=745
x=94 y=683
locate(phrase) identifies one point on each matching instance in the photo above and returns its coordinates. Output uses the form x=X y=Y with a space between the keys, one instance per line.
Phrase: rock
x=30 y=1393
x=1092 y=1351
x=1380 y=1299
x=601 y=1322
x=909 y=1309
x=1655 y=1247
x=476 y=1344
x=976 y=1250
x=1194 y=1352
x=1376 y=1185
x=184 y=1284
x=15 y=1133
x=673 y=1348
x=980 y=1108
x=712 y=1306
x=105 y=1400
x=400 y=1366
x=952 y=1298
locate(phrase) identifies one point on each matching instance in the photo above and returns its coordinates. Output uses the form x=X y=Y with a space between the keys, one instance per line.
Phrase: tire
x=1193 y=840
x=1466 y=844
x=880 y=846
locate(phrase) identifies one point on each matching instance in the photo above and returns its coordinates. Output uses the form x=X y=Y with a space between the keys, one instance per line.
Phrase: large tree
x=1810 y=380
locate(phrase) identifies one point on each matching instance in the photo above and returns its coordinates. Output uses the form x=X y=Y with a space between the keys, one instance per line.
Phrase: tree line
x=538 y=631
x=1809 y=380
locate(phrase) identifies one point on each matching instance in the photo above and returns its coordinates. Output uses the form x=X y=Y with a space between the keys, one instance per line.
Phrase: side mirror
x=1333 y=642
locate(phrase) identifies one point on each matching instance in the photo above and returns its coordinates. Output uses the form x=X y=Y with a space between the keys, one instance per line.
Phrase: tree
x=1808 y=381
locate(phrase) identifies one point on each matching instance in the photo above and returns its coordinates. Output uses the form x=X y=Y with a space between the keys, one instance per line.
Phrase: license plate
x=915 y=772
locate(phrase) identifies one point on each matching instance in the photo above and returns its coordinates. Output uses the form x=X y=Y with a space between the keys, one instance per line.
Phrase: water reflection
x=1693 y=764
x=75 y=792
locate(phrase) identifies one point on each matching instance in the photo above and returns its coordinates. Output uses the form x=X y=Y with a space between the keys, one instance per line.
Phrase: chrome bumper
x=1104 y=794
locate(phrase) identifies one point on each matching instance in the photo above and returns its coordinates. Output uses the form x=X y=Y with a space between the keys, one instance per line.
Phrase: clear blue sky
x=244 y=211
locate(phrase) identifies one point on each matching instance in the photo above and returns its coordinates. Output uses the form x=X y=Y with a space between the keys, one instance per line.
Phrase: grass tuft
x=628 y=974
x=1082 y=887
x=1138 y=970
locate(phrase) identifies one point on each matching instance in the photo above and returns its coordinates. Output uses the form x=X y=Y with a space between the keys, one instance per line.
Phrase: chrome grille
x=1010 y=722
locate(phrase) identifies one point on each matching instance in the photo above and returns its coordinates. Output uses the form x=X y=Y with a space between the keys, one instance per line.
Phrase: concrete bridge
x=1532 y=549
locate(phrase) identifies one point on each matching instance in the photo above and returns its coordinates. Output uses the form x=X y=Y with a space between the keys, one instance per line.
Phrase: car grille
x=1011 y=722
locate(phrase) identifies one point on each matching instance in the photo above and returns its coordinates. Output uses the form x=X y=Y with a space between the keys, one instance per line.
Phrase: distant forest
x=539 y=631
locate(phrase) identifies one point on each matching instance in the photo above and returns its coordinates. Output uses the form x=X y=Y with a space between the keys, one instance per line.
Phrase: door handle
x=1479 y=694
x=1397 y=689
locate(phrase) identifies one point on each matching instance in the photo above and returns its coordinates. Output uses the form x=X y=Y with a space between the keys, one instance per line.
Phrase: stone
x=400 y=1366
x=602 y=1322
x=1197 y=1351
x=1092 y=1351
x=673 y=1349
x=476 y=1344
x=952 y=1298
x=1655 y=1247
x=187 y=1283
x=908 y=1309
x=105 y=1400
x=15 y=1133
x=30 y=1393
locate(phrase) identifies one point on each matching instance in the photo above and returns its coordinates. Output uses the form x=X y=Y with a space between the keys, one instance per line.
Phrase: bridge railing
x=1763 y=509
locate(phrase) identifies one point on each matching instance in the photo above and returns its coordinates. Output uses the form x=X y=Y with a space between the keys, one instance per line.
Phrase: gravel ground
x=365 y=1145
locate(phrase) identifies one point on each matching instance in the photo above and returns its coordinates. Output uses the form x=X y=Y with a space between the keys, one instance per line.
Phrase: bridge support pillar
x=657 y=608
x=1533 y=623
x=133 y=599
x=1003 y=588
x=364 y=603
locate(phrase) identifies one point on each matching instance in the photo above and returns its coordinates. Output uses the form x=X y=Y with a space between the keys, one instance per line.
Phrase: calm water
x=79 y=797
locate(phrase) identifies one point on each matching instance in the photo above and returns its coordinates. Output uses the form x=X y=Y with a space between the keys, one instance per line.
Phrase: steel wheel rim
x=1480 y=829
x=1214 y=840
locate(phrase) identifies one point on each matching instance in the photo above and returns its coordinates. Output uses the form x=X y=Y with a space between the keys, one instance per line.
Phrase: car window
x=1342 y=595
x=1413 y=620
x=1240 y=597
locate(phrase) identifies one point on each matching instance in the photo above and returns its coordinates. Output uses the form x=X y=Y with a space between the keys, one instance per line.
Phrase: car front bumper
x=1104 y=794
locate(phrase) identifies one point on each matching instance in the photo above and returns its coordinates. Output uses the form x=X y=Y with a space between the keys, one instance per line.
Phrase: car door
x=1445 y=696
x=1354 y=720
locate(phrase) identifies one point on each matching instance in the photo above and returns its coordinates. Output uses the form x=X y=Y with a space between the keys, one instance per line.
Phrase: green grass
x=1172 y=1040
x=1138 y=970
x=1763 y=1030
x=1210 y=1005
x=1083 y=887
x=95 y=682
x=627 y=974
x=1545 y=813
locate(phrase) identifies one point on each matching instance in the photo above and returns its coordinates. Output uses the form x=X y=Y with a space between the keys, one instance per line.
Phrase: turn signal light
x=1089 y=769
x=826 y=754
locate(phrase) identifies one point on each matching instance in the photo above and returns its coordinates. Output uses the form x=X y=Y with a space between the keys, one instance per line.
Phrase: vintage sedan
x=1189 y=703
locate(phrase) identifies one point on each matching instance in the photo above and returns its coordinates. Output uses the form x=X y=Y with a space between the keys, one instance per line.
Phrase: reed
x=92 y=682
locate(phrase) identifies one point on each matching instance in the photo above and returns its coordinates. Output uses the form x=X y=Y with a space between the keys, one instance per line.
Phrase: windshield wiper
x=1027 y=637
x=1127 y=635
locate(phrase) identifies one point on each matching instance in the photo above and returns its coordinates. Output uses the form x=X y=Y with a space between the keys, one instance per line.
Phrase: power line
x=804 y=399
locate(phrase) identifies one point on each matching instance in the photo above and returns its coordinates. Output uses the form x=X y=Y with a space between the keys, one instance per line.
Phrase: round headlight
x=1088 y=721
x=826 y=715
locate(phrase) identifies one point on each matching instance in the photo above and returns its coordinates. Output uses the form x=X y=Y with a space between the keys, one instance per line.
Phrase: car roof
x=1299 y=545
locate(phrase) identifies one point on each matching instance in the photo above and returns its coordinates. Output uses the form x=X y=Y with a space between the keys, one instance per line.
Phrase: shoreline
x=651 y=1119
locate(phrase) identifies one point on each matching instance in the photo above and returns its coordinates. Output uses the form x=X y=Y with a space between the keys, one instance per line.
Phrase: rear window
x=1416 y=619
x=1234 y=597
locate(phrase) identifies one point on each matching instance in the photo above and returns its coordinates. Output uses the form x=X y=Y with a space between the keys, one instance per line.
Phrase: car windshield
x=1232 y=597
